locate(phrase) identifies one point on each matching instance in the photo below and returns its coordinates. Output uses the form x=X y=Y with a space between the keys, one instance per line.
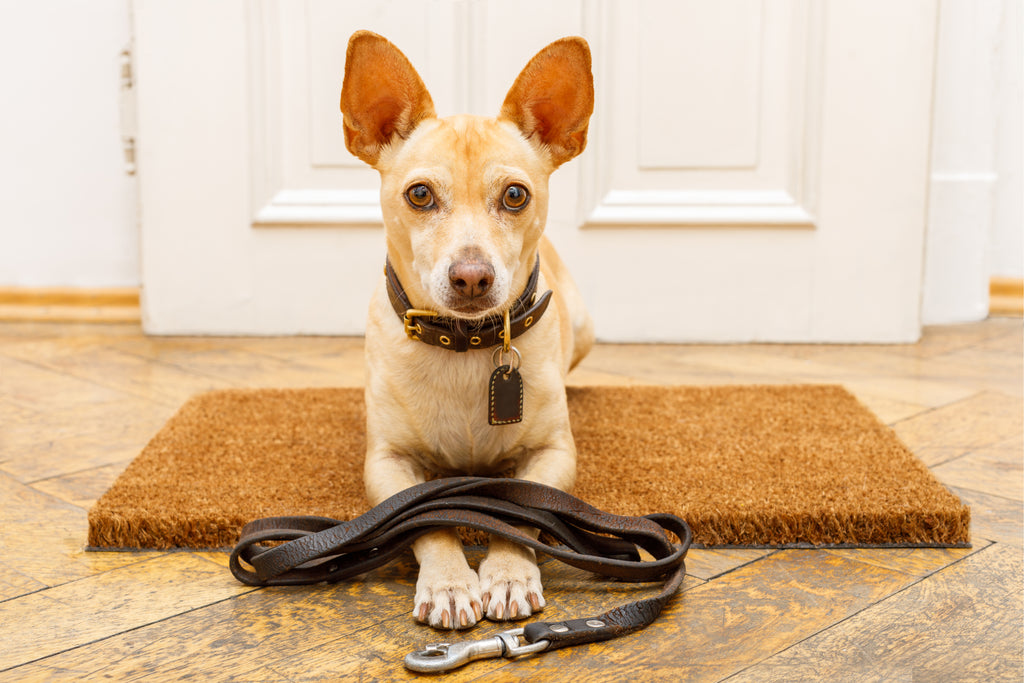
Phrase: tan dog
x=465 y=202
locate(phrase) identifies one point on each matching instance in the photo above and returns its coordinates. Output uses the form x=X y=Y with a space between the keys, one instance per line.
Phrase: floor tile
x=81 y=612
x=922 y=633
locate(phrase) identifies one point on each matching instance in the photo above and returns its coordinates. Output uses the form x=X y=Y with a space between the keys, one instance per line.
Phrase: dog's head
x=464 y=198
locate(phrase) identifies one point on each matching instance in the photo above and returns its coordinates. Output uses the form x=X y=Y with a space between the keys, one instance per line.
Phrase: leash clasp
x=447 y=656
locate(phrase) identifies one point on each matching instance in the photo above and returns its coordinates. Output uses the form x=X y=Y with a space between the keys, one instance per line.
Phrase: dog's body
x=464 y=201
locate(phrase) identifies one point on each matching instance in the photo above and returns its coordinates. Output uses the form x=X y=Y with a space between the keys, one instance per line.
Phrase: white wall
x=1006 y=246
x=67 y=210
x=66 y=206
x=974 y=227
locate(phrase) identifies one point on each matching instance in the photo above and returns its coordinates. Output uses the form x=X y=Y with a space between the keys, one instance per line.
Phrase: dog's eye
x=420 y=196
x=515 y=198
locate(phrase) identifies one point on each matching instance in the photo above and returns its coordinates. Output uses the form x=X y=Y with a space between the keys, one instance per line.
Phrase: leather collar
x=455 y=334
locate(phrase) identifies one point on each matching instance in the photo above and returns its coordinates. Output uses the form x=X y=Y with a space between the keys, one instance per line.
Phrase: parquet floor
x=77 y=402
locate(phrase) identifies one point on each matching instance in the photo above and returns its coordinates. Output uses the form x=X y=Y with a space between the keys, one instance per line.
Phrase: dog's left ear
x=553 y=98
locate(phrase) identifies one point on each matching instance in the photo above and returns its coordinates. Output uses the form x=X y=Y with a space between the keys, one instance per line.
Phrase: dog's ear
x=553 y=98
x=382 y=96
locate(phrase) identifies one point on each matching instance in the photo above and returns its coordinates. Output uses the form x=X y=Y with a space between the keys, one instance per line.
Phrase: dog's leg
x=447 y=589
x=509 y=578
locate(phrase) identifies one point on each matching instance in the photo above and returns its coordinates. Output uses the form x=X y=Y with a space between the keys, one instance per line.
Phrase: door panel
x=720 y=128
x=706 y=115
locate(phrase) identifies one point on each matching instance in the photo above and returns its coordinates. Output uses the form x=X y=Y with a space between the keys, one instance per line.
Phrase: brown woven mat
x=748 y=465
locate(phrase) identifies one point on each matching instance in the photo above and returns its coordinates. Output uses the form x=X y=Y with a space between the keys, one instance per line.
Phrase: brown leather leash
x=322 y=549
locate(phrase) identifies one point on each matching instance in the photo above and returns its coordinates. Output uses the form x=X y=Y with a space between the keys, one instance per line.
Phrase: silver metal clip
x=447 y=656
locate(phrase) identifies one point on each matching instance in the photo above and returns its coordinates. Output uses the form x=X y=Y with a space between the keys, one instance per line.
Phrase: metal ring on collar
x=515 y=359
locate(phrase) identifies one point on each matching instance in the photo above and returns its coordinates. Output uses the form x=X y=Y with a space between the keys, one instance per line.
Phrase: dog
x=468 y=280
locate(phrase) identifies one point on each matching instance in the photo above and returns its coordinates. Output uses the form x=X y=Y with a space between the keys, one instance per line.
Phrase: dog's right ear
x=382 y=96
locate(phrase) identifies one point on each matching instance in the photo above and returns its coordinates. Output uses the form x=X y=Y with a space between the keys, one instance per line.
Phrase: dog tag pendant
x=505 y=399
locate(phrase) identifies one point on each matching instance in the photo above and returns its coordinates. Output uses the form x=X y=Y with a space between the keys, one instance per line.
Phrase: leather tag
x=505 y=399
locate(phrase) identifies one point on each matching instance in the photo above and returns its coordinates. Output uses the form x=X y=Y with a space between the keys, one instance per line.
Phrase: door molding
x=738 y=193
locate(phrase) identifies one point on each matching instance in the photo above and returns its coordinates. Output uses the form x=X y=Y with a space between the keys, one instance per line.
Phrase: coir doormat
x=745 y=466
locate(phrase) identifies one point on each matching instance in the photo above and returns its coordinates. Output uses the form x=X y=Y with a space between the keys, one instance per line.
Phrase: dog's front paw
x=448 y=598
x=510 y=583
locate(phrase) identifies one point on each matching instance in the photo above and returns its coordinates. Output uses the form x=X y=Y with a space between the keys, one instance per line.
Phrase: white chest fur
x=431 y=404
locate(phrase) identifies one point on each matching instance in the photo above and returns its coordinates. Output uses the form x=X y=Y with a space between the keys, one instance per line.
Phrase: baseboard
x=70 y=304
x=121 y=304
x=1006 y=297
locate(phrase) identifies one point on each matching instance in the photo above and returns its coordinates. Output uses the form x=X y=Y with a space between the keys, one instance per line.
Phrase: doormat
x=780 y=466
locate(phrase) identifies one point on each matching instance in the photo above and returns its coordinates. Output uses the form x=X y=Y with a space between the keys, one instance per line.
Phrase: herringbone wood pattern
x=79 y=401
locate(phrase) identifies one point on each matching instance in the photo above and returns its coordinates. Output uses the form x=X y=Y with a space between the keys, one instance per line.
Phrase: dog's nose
x=471 y=278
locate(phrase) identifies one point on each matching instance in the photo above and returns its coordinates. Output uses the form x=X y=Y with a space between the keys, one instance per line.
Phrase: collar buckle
x=413 y=330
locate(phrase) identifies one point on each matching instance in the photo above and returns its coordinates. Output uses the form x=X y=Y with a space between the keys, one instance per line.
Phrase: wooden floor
x=79 y=401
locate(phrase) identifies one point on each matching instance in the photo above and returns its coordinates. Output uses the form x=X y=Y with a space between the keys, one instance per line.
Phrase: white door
x=757 y=170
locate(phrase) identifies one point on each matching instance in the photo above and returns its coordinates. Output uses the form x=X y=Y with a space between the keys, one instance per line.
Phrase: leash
x=323 y=549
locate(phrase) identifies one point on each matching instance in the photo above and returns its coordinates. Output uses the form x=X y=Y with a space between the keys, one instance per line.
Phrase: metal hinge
x=128 y=111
